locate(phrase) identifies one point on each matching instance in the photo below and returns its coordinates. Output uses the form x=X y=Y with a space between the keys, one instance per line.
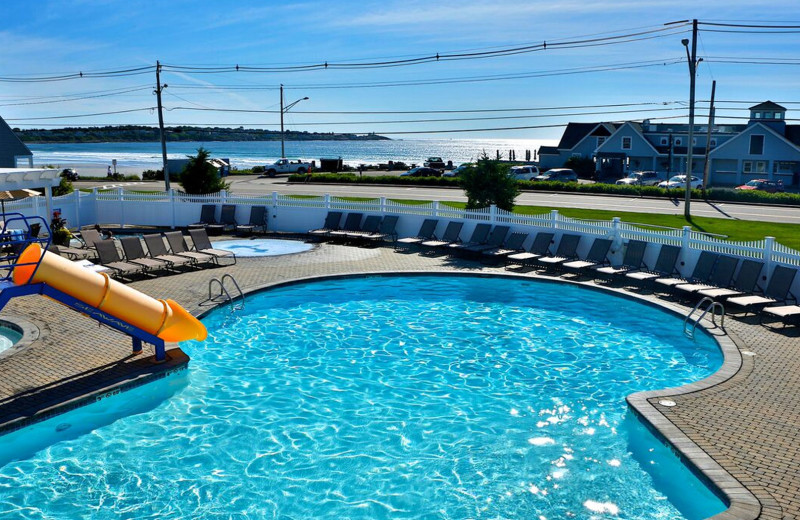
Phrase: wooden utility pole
x=690 y=145
x=706 y=165
x=158 y=90
x=283 y=150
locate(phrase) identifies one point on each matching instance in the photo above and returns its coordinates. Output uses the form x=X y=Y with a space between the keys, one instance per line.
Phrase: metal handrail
x=713 y=306
x=223 y=292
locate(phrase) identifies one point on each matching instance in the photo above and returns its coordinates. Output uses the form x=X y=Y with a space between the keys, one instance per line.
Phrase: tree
x=64 y=188
x=199 y=177
x=583 y=166
x=487 y=183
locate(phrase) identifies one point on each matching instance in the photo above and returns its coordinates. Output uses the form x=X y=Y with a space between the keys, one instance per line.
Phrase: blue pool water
x=384 y=397
x=8 y=337
x=262 y=247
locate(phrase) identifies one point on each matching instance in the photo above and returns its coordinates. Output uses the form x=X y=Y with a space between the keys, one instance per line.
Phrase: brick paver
x=748 y=424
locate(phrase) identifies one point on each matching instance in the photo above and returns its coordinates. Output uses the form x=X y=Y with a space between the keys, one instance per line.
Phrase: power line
x=66 y=99
x=77 y=75
x=82 y=115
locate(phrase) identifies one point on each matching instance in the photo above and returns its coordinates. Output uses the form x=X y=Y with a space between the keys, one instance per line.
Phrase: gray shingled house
x=13 y=152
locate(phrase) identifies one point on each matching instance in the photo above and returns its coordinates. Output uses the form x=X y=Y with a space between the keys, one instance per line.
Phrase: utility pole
x=708 y=136
x=283 y=151
x=158 y=90
x=690 y=145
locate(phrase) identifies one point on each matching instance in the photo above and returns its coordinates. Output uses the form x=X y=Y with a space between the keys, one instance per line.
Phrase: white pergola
x=31 y=178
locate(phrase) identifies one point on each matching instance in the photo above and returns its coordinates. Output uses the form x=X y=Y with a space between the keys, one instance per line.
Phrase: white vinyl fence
x=292 y=213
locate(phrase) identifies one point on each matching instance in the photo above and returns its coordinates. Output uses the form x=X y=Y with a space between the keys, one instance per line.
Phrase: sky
x=524 y=95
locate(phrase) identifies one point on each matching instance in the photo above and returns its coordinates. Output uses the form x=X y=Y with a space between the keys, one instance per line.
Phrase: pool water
x=262 y=247
x=384 y=397
x=8 y=337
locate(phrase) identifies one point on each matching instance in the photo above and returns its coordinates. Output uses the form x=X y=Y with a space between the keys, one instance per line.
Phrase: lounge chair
x=73 y=253
x=597 y=256
x=90 y=237
x=720 y=278
x=227 y=218
x=109 y=257
x=370 y=225
x=479 y=235
x=495 y=240
x=207 y=218
x=665 y=266
x=539 y=247
x=331 y=224
x=202 y=244
x=512 y=245
x=387 y=230
x=351 y=223
x=158 y=251
x=745 y=283
x=178 y=246
x=426 y=232
x=785 y=313
x=777 y=291
x=632 y=261
x=258 y=219
x=134 y=253
x=451 y=236
x=702 y=270
x=567 y=250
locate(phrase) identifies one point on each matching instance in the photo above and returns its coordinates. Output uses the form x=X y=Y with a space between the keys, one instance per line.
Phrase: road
x=253 y=185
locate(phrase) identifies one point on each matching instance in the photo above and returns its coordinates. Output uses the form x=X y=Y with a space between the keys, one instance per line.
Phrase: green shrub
x=488 y=183
x=64 y=187
x=199 y=177
x=258 y=169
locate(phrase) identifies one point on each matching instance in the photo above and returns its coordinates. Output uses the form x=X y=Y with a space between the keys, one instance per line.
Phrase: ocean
x=248 y=154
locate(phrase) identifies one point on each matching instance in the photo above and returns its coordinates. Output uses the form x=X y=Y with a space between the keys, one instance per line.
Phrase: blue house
x=13 y=152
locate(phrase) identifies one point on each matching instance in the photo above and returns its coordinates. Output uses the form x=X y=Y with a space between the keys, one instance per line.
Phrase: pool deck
x=746 y=420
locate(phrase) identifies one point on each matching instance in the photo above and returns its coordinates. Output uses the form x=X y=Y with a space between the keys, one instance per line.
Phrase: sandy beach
x=96 y=170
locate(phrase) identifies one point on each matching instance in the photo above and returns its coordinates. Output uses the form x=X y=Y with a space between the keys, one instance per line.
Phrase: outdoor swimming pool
x=384 y=397
x=263 y=247
x=8 y=337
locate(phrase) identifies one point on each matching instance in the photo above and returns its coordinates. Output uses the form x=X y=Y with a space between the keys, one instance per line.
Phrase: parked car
x=679 y=181
x=421 y=171
x=762 y=185
x=455 y=172
x=524 y=173
x=643 y=178
x=434 y=162
x=71 y=174
x=558 y=174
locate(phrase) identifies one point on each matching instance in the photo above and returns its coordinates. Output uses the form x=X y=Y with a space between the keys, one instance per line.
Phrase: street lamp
x=693 y=62
x=283 y=110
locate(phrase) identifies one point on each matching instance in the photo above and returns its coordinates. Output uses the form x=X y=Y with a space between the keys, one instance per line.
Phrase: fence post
x=554 y=218
x=223 y=196
x=492 y=214
x=172 y=206
x=435 y=208
x=121 y=195
x=96 y=205
x=274 y=199
x=383 y=205
x=769 y=246
x=685 y=239
x=327 y=200
x=77 y=194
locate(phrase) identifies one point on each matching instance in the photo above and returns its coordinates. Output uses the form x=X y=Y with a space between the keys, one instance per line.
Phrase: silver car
x=644 y=178
x=558 y=175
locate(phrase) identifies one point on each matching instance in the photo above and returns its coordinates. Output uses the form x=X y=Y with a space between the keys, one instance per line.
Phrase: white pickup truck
x=286 y=166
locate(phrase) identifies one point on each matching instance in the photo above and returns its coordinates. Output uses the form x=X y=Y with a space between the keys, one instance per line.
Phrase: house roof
x=792 y=134
x=10 y=145
x=766 y=129
x=574 y=133
x=767 y=105
x=548 y=150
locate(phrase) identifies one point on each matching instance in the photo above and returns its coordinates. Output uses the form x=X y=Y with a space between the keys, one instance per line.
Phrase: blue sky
x=44 y=38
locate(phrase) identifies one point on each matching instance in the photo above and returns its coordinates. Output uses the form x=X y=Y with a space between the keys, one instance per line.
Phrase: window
x=784 y=166
x=767 y=115
x=694 y=141
x=664 y=141
x=756 y=145
x=626 y=143
x=747 y=166
x=757 y=115
x=761 y=166
x=713 y=143
x=678 y=141
x=600 y=141
x=778 y=115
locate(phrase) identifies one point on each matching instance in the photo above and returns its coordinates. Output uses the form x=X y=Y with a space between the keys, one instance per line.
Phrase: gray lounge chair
x=720 y=277
x=351 y=223
x=202 y=244
x=745 y=283
x=258 y=220
x=539 y=247
x=512 y=245
x=158 y=251
x=495 y=240
x=227 y=218
x=427 y=231
x=207 y=217
x=664 y=266
x=777 y=291
x=702 y=270
x=72 y=253
x=178 y=246
x=371 y=225
x=134 y=253
x=387 y=230
x=90 y=237
x=567 y=250
x=632 y=261
x=597 y=256
x=479 y=236
x=109 y=257
x=451 y=236
x=331 y=224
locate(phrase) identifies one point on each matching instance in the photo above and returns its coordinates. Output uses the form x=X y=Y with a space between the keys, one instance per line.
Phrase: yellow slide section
x=165 y=319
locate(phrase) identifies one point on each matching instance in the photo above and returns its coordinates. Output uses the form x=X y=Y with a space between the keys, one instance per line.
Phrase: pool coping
x=742 y=504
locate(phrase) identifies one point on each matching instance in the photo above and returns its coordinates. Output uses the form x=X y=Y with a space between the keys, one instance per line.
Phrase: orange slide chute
x=165 y=319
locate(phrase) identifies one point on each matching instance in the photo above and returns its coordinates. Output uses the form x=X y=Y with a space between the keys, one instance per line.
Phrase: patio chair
x=512 y=245
x=720 y=278
x=597 y=256
x=158 y=251
x=745 y=283
x=567 y=250
x=426 y=232
x=90 y=237
x=178 y=246
x=109 y=257
x=258 y=219
x=495 y=240
x=351 y=223
x=632 y=261
x=451 y=236
x=785 y=313
x=777 y=291
x=202 y=244
x=370 y=225
x=702 y=270
x=134 y=253
x=539 y=247
x=207 y=218
x=331 y=224
x=227 y=218
x=479 y=236
x=72 y=253
x=664 y=266
x=387 y=230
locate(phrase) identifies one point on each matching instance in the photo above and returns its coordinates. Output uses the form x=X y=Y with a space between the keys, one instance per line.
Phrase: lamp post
x=283 y=110
x=693 y=62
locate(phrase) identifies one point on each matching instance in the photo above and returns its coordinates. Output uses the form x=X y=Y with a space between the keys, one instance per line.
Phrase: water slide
x=164 y=319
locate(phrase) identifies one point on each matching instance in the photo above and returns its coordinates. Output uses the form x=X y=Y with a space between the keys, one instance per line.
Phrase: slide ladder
x=224 y=295
x=704 y=306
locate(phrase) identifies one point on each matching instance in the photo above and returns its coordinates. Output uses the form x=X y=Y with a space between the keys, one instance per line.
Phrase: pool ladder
x=689 y=324
x=224 y=295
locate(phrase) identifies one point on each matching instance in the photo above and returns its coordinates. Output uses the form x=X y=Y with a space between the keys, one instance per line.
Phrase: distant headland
x=134 y=133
